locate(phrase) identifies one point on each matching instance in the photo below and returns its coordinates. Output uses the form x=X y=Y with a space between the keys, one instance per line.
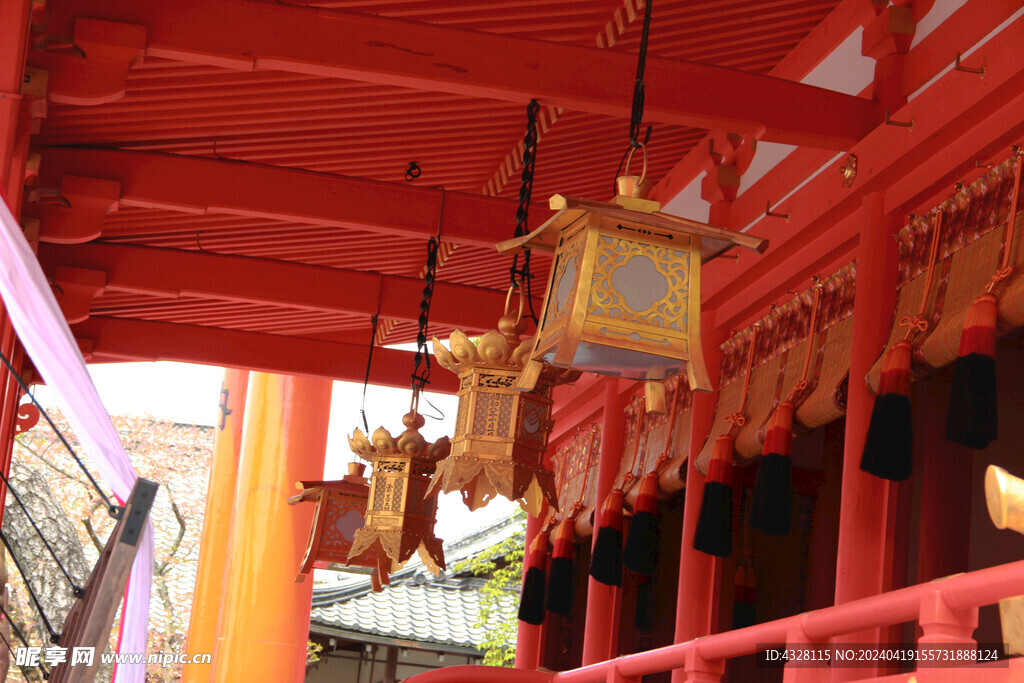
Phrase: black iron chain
x=522 y=276
x=421 y=378
x=113 y=510
x=637 y=115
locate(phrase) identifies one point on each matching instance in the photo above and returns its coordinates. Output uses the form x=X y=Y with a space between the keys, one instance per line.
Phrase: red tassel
x=888 y=446
x=772 y=501
x=972 y=419
x=606 y=562
x=714 y=525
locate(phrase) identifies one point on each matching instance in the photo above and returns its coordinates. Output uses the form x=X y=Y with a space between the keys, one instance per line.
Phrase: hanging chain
x=522 y=276
x=637 y=115
x=113 y=510
x=369 y=355
x=421 y=378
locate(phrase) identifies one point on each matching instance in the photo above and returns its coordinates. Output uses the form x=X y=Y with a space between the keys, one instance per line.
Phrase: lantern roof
x=714 y=241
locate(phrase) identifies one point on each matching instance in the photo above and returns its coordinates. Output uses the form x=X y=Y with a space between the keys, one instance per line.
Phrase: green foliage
x=502 y=565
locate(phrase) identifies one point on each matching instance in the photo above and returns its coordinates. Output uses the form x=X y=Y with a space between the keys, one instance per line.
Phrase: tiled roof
x=417 y=606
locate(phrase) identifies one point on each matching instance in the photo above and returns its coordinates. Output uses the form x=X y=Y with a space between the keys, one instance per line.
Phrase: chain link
x=522 y=276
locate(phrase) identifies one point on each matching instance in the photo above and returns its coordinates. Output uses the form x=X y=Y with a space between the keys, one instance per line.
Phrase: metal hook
x=768 y=212
x=958 y=67
x=902 y=124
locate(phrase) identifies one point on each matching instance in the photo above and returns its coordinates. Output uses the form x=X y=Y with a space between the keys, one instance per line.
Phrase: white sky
x=191 y=393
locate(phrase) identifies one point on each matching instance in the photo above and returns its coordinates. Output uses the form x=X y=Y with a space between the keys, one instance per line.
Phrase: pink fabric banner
x=47 y=339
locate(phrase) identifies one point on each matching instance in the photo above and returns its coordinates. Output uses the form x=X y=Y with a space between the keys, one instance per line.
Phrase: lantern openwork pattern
x=623 y=296
x=400 y=516
x=340 y=512
x=501 y=433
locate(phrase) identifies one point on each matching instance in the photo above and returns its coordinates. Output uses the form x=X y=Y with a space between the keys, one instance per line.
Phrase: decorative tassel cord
x=739 y=418
x=801 y=385
x=113 y=510
x=1005 y=267
x=916 y=324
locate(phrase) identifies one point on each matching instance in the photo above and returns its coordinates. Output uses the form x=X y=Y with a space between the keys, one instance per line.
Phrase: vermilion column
x=600 y=633
x=695 y=598
x=265 y=614
x=863 y=558
x=220 y=500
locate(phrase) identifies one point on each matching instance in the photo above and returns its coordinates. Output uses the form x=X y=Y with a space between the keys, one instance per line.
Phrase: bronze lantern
x=340 y=512
x=400 y=516
x=623 y=297
x=501 y=434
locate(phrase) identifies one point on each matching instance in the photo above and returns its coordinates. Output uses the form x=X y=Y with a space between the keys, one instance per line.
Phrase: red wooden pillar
x=600 y=635
x=530 y=638
x=863 y=559
x=696 y=596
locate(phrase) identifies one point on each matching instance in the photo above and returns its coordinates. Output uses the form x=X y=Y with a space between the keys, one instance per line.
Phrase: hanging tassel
x=560 y=583
x=606 y=562
x=714 y=526
x=972 y=419
x=641 y=551
x=772 y=502
x=643 y=620
x=531 y=602
x=890 y=439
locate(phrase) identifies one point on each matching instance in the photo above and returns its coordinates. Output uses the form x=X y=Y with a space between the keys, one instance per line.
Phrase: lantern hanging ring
x=508 y=302
x=629 y=158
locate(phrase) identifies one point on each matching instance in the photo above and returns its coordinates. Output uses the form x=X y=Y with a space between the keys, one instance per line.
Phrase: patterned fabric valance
x=971 y=246
x=575 y=465
x=647 y=438
x=778 y=361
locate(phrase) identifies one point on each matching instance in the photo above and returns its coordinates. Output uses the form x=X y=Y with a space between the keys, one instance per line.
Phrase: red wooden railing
x=945 y=609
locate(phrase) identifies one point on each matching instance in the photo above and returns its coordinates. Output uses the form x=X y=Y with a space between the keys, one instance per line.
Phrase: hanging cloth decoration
x=401 y=515
x=560 y=596
x=641 y=550
x=772 y=498
x=714 y=525
x=888 y=446
x=972 y=420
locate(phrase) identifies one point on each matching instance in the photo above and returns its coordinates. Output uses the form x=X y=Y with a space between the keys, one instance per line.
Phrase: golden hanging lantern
x=501 y=433
x=340 y=512
x=623 y=297
x=400 y=516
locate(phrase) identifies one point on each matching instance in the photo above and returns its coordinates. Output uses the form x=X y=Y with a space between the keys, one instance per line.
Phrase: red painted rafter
x=215 y=186
x=173 y=273
x=387 y=51
x=118 y=340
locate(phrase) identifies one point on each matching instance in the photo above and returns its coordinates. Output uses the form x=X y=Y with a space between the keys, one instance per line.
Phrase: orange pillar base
x=265 y=614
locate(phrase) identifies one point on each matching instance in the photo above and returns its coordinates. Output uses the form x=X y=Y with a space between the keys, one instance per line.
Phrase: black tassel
x=641 y=551
x=972 y=419
x=714 y=526
x=606 y=562
x=888 y=447
x=772 y=499
x=560 y=586
x=644 y=618
x=531 y=603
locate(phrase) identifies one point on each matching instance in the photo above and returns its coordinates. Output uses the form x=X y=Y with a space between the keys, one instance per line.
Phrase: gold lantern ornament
x=340 y=512
x=623 y=296
x=501 y=433
x=400 y=515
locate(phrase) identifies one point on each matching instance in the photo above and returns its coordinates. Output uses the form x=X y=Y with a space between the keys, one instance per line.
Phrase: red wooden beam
x=173 y=273
x=958 y=119
x=120 y=340
x=333 y=44
x=217 y=186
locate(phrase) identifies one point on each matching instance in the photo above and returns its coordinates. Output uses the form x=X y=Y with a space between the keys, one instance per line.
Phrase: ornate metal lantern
x=501 y=434
x=623 y=297
x=340 y=512
x=400 y=516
